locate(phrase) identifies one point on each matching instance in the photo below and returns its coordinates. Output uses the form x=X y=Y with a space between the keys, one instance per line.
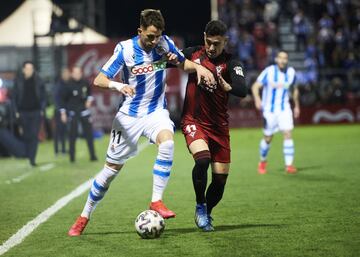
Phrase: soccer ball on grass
x=149 y=224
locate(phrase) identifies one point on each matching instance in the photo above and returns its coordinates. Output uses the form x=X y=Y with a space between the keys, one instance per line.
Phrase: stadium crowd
x=327 y=33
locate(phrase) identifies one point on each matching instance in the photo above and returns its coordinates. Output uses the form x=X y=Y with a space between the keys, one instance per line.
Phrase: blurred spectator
x=9 y=144
x=301 y=30
x=271 y=11
x=327 y=32
x=308 y=94
x=60 y=127
x=29 y=100
x=338 y=94
x=76 y=101
x=246 y=50
x=260 y=46
x=333 y=91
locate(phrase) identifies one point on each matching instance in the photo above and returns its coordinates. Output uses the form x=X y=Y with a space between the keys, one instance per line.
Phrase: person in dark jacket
x=30 y=102
x=10 y=145
x=76 y=102
x=60 y=127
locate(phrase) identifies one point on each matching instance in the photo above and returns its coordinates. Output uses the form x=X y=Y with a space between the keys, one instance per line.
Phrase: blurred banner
x=325 y=114
x=91 y=57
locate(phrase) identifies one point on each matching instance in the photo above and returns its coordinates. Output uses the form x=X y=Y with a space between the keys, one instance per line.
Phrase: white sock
x=264 y=149
x=98 y=189
x=289 y=151
x=162 y=168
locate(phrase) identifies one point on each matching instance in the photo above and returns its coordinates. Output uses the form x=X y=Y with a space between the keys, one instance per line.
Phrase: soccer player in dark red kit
x=205 y=120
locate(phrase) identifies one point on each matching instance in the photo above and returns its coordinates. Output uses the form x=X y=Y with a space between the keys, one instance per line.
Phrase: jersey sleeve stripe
x=115 y=63
x=174 y=49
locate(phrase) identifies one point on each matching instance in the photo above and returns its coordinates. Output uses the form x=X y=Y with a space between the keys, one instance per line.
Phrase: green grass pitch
x=313 y=213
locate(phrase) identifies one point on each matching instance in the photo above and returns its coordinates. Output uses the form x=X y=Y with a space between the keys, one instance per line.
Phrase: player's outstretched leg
x=289 y=150
x=161 y=174
x=264 y=149
x=199 y=178
x=214 y=194
x=97 y=191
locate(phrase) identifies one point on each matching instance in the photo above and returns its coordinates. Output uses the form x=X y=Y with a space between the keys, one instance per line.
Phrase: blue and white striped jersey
x=145 y=71
x=276 y=84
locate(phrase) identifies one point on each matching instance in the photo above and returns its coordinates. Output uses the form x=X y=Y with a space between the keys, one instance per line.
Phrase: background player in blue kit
x=276 y=82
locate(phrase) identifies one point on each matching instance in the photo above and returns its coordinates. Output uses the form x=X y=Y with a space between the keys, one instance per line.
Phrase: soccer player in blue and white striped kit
x=277 y=81
x=142 y=61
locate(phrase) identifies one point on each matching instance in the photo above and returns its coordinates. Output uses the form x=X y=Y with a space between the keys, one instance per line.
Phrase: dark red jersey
x=207 y=106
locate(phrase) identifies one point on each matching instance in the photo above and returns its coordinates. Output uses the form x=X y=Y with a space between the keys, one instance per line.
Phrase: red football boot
x=160 y=207
x=291 y=169
x=78 y=227
x=262 y=167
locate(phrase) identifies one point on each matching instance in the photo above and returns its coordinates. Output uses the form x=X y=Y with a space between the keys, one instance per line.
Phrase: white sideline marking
x=47 y=167
x=42 y=217
x=18 y=179
x=42 y=168
x=26 y=230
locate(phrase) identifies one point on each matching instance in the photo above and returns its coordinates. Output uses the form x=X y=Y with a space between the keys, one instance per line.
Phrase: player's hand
x=63 y=117
x=258 y=104
x=223 y=84
x=128 y=91
x=172 y=58
x=205 y=76
x=296 y=112
x=88 y=104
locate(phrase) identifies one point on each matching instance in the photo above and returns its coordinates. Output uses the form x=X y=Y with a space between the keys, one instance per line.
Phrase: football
x=149 y=224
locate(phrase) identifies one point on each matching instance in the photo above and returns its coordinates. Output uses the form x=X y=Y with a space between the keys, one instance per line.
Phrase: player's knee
x=166 y=149
x=114 y=167
x=202 y=159
x=268 y=139
x=220 y=179
x=287 y=134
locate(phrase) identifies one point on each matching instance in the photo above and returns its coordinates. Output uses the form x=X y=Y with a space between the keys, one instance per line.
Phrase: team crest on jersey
x=218 y=70
x=239 y=71
x=148 y=68
x=160 y=50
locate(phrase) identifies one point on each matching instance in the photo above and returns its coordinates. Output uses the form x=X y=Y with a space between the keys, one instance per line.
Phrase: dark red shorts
x=219 y=143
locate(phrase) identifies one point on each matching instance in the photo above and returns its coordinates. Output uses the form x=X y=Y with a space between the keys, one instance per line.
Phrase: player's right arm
x=255 y=88
x=103 y=81
x=109 y=71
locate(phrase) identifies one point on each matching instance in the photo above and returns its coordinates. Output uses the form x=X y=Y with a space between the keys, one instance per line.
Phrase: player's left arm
x=295 y=94
x=89 y=97
x=237 y=86
x=296 y=102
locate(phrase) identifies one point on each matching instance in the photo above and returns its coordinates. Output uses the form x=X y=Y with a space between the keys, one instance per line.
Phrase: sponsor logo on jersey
x=239 y=71
x=148 y=68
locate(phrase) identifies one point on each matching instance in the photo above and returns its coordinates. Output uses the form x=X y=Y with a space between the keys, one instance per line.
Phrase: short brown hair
x=152 y=17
